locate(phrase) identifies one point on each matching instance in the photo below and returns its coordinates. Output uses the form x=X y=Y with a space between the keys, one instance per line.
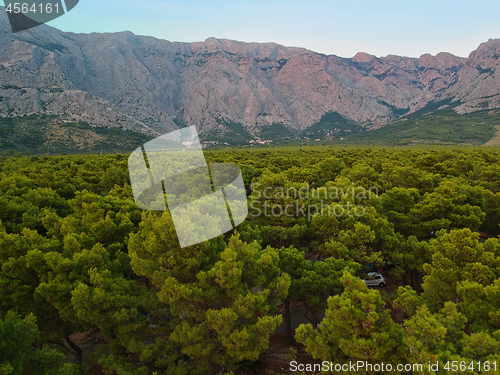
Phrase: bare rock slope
x=154 y=86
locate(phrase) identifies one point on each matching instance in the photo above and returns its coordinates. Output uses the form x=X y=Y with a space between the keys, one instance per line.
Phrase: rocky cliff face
x=477 y=83
x=154 y=86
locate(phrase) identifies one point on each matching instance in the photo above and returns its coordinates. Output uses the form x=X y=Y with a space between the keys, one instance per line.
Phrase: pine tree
x=357 y=327
x=457 y=256
x=21 y=353
x=219 y=304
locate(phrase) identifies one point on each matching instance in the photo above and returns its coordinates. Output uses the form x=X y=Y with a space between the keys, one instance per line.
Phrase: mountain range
x=230 y=90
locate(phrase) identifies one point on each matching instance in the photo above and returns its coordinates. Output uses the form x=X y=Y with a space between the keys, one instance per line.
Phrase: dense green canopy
x=77 y=255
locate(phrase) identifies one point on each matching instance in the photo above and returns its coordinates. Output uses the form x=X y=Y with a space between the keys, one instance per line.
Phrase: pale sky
x=344 y=27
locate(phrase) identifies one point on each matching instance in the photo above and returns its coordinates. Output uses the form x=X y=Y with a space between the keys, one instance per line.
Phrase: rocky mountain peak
x=362 y=57
x=154 y=85
x=486 y=50
x=442 y=61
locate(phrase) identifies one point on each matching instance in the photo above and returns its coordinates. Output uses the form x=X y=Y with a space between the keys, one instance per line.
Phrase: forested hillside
x=78 y=256
x=48 y=135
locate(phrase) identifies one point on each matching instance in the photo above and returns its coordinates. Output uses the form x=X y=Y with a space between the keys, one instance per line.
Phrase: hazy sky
x=379 y=27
